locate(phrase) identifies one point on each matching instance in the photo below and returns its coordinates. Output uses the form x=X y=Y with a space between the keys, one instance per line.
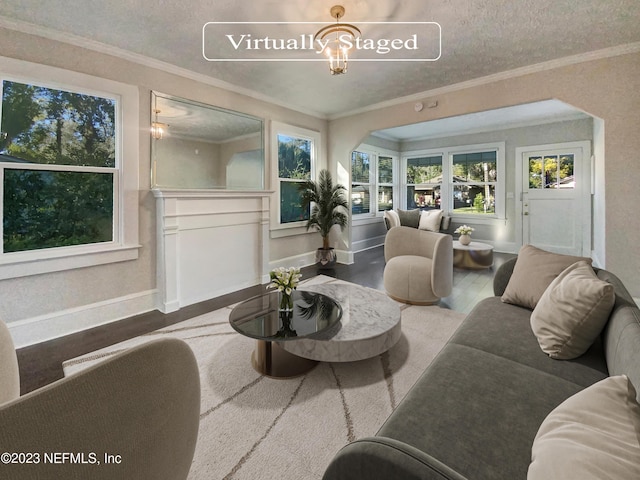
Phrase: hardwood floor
x=41 y=364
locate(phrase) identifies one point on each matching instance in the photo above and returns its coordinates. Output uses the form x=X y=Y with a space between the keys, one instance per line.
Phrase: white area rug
x=253 y=426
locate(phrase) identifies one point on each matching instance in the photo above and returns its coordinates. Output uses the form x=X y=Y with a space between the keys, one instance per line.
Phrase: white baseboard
x=362 y=245
x=302 y=260
x=345 y=257
x=309 y=258
x=57 y=324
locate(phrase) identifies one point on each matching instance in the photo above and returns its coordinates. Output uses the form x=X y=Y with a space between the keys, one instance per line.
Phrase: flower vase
x=465 y=239
x=286 y=331
x=286 y=301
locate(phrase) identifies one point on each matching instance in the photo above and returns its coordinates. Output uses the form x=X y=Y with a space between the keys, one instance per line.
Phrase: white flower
x=285 y=279
x=464 y=230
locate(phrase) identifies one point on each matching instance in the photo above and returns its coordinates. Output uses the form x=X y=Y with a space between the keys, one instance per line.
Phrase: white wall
x=183 y=163
x=241 y=163
x=599 y=189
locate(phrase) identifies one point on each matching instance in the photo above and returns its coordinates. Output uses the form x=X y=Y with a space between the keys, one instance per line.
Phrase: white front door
x=555 y=191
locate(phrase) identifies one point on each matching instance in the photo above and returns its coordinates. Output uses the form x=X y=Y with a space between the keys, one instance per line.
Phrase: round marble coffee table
x=370 y=325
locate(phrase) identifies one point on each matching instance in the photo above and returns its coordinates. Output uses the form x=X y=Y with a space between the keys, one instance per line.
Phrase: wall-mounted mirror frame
x=200 y=146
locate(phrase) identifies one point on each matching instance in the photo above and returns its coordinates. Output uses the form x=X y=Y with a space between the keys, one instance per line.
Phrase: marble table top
x=472 y=246
x=370 y=325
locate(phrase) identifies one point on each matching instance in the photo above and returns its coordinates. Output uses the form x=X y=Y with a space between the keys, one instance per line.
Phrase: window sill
x=475 y=219
x=298 y=228
x=23 y=264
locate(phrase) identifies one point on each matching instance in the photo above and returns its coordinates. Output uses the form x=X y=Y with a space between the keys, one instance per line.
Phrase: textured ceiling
x=479 y=38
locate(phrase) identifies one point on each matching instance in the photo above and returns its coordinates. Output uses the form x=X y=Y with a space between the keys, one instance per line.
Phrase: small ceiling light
x=158 y=129
x=337 y=50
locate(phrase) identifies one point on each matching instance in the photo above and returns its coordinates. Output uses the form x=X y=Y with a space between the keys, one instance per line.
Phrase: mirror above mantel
x=199 y=146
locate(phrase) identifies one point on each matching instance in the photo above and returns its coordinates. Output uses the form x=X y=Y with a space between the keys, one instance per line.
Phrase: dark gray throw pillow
x=409 y=218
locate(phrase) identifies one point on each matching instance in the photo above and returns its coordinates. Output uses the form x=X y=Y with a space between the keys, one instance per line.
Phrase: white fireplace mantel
x=210 y=242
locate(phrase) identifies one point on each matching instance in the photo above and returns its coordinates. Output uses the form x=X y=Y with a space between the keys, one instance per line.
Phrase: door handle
x=526 y=213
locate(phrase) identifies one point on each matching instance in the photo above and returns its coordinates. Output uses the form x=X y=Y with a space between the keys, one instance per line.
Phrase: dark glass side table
x=263 y=318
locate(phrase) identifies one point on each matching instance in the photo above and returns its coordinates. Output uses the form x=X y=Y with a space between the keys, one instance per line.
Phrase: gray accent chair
x=141 y=406
x=419 y=265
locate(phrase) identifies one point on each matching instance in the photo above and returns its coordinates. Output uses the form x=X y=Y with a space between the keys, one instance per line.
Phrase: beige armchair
x=419 y=267
x=134 y=416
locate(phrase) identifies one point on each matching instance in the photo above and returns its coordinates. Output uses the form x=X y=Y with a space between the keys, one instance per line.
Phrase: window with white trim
x=63 y=183
x=462 y=181
x=360 y=183
x=424 y=181
x=296 y=150
x=58 y=167
x=474 y=177
x=372 y=182
x=385 y=182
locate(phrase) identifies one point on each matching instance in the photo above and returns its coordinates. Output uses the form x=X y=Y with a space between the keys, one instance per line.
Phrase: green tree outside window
x=70 y=202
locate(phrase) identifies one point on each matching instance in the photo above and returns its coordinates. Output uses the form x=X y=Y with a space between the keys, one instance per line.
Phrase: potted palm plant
x=328 y=208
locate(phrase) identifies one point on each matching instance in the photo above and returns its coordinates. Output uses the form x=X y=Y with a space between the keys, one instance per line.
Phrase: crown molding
x=78 y=41
x=517 y=72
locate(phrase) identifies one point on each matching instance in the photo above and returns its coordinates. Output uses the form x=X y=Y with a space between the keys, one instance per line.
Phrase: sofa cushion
x=491 y=320
x=572 y=312
x=477 y=413
x=533 y=272
x=409 y=218
x=430 y=220
x=592 y=435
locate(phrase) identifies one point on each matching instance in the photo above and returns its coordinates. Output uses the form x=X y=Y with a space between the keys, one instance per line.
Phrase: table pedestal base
x=271 y=360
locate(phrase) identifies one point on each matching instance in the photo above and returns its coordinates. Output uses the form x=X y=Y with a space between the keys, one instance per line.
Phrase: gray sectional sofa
x=475 y=411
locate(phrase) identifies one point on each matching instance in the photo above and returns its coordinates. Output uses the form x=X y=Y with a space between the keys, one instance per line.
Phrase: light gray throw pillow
x=430 y=220
x=572 y=312
x=590 y=436
x=534 y=270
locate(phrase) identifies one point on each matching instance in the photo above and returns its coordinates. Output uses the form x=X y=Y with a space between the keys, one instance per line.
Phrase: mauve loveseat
x=475 y=411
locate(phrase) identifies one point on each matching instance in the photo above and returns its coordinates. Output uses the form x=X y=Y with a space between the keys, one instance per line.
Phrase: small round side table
x=474 y=256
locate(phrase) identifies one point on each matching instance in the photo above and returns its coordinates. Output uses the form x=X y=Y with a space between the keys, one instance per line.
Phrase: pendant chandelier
x=158 y=129
x=341 y=37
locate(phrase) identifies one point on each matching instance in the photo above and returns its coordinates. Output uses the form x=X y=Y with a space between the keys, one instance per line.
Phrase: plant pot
x=326 y=257
x=465 y=239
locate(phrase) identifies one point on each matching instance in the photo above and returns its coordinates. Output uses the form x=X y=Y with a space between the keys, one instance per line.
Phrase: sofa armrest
x=502 y=276
x=385 y=458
